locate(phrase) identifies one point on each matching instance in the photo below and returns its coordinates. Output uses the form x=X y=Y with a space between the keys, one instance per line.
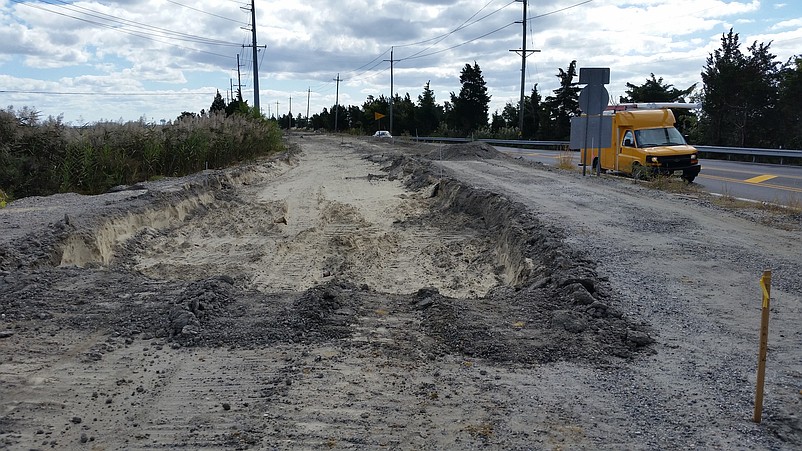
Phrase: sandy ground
x=354 y=294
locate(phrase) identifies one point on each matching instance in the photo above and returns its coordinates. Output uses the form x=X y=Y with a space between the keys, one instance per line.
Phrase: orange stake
x=765 y=284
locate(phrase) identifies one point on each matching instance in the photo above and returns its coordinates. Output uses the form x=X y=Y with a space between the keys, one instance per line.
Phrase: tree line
x=749 y=99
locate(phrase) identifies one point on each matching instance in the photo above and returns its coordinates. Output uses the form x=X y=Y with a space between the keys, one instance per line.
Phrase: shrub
x=44 y=157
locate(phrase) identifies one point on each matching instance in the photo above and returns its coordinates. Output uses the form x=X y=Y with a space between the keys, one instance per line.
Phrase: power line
x=207 y=13
x=144 y=29
x=440 y=38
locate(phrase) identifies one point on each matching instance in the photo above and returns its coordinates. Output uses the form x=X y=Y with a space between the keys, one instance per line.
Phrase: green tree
x=218 y=104
x=404 y=115
x=370 y=108
x=322 y=120
x=532 y=113
x=355 y=119
x=429 y=114
x=740 y=94
x=654 y=90
x=497 y=122
x=472 y=104
x=235 y=106
x=790 y=108
x=563 y=105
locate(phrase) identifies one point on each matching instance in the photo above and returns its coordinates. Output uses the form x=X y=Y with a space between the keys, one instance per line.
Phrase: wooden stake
x=765 y=284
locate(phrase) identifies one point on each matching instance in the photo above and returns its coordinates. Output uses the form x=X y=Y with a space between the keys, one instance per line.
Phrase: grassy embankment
x=39 y=158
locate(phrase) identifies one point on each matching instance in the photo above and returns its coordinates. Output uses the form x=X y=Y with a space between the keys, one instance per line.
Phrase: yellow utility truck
x=635 y=139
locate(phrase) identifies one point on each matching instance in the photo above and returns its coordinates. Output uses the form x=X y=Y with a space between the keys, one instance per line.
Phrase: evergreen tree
x=563 y=105
x=532 y=112
x=237 y=105
x=497 y=122
x=740 y=95
x=370 y=108
x=355 y=118
x=654 y=90
x=428 y=114
x=789 y=105
x=510 y=115
x=472 y=104
x=218 y=104
x=404 y=115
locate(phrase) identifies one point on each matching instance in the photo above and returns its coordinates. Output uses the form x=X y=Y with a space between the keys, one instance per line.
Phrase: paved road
x=754 y=181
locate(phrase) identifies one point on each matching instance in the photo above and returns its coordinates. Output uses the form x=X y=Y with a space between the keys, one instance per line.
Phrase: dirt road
x=354 y=294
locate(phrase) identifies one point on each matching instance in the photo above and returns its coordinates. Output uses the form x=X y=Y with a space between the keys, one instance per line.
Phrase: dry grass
x=784 y=214
x=565 y=160
x=672 y=185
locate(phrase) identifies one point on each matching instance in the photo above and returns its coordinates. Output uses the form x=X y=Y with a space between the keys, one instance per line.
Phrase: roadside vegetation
x=783 y=213
x=42 y=157
x=748 y=97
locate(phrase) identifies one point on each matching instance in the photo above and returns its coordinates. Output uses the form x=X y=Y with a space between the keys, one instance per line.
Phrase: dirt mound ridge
x=465 y=151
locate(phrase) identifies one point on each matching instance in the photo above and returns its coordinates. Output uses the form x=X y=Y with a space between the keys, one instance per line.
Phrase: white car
x=383 y=134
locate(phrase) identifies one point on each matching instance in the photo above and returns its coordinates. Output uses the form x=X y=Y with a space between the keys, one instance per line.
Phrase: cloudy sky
x=108 y=60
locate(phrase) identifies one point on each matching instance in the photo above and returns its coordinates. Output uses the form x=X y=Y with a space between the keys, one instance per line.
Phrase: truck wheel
x=688 y=176
x=638 y=171
x=595 y=162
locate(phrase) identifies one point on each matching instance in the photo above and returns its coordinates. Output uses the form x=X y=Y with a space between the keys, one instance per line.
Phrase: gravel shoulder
x=354 y=294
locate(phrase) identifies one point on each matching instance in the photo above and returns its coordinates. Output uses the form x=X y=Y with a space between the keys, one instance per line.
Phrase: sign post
x=593 y=99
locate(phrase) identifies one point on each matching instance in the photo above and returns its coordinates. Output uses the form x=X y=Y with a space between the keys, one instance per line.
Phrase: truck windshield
x=652 y=137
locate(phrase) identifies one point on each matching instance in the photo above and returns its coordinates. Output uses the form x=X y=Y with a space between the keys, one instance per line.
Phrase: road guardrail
x=784 y=156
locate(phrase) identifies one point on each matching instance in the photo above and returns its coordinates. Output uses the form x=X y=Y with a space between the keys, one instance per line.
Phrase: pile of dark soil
x=466 y=151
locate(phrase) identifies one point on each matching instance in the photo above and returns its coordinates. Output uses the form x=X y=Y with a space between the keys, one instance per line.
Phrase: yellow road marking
x=760 y=178
x=741 y=182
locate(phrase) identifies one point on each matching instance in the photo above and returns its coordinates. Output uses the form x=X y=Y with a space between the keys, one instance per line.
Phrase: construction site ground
x=352 y=293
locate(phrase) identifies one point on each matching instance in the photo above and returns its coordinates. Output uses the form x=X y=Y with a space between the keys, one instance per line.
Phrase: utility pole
x=308 y=96
x=337 y=103
x=239 y=79
x=390 y=112
x=277 y=111
x=289 y=116
x=524 y=53
x=255 y=48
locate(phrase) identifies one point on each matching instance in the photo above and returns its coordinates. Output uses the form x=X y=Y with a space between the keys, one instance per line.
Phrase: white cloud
x=310 y=42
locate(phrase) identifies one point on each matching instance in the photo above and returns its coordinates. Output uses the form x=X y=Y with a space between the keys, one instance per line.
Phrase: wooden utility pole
x=308 y=96
x=255 y=58
x=255 y=48
x=239 y=80
x=390 y=112
x=524 y=53
x=337 y=104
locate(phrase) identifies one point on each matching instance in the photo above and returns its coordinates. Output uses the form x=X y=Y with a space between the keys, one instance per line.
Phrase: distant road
x=753 y=181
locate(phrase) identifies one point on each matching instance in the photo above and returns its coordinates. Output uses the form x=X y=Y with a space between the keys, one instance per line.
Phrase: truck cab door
x=627 y=151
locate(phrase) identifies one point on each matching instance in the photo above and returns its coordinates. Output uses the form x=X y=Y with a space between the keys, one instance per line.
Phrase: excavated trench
x=301 y=252
x=283 y=236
